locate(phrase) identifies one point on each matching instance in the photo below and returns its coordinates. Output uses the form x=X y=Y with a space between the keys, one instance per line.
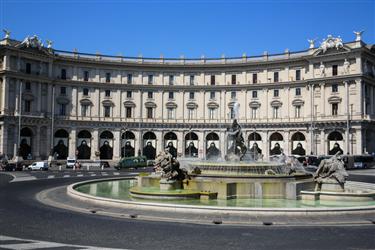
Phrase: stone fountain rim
x=194 y=208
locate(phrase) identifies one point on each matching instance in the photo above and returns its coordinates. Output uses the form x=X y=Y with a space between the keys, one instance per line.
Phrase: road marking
x=116 y=173
x=7 y=242
x=104 y=173
x=66 y=176
x=79 y=175
x=50 y=176
x=24 y=178
x=93 y=175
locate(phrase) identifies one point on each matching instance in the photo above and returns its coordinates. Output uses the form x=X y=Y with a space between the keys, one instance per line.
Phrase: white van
x=39 y=165
x=70 y=162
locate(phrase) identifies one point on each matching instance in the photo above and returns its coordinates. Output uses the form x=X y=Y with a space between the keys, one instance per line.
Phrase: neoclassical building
x=93 y=106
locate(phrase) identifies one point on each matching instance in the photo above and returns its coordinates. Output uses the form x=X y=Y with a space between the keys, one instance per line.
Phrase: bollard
x=102 y=167
x=74 y=167
x=60 y=168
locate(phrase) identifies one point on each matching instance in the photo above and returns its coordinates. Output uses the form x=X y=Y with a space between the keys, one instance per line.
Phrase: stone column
x=116 y=145
x=94 y=143
x=72 y=143
x=266 y=150
x=323 y=143
x=5 y=95
x=17 y=97
x=4 y=139
x=180 y=142
x=35 y=144
x=322 y=99
x=39 y=109
x=137 y=144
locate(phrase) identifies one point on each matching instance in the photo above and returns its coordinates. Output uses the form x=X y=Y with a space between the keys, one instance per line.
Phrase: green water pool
x=119 y=189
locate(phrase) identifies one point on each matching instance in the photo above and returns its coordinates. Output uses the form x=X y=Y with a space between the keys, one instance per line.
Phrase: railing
x=202 y=60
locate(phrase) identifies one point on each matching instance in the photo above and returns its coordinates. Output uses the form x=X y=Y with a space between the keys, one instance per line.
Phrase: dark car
x=12 y=166
x=132 y=162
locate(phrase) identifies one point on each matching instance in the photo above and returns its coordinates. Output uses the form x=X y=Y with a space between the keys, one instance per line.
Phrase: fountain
x=243 y=179
x=238 y=176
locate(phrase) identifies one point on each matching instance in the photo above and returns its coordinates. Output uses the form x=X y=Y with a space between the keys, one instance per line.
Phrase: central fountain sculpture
x=236 y=177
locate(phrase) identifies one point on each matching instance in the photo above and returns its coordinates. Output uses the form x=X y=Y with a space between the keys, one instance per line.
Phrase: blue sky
x=189 y=28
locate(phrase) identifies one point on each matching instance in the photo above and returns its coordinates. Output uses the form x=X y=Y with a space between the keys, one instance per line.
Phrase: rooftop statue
x=331 y=42
x=331 y=171
x=33 y=42
x=312 y=43
x=49 y=44
x=7 y=34
x=358 y=35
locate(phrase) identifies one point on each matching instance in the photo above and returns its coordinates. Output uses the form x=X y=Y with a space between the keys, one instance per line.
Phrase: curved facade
x=318 y=101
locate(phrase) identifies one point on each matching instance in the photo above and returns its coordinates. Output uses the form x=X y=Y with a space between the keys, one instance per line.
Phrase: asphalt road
x=23 y=217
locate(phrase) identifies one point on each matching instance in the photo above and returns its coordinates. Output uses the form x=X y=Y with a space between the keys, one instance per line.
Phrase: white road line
x=35 y=244
x=79 y=175
x=66 y=176
x=50 y=176
x=116 y=173
x=93 y=175
x=25 y=178
x=104 y=173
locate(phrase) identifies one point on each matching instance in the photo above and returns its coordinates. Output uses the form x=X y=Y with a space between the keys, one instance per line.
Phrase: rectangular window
x=255 y=94
x=27 y=107
x=190 y=114
x=276 y=76
x=298 y=74
x=85 y=92
x=191 y=95
x=254 y=112
x=212 y=95
x=170 y=95
x=171 y=79
x=107 y=77
x=275 y=112
x=62 y=90
x=62 y=109
x=150 y=80
x=107 y=111
x=211 y=113
x=191 y=81
x=335 y=108
x=86 y=76
x=129 y=79
x=298 y=91
x=297 y=111
x=27 y=86
x=128 y=112
x=334 y=70
x=170 y=113
x=213 y=80
x=150 y=95
x=276 y=93
x=149 y=113
x=234 y=79
x=233 y=95
x=63 y=74
x=128 y=94
x=255 y=78
x=107 y=93
x=335 y=88
x=84 y=110
x=28 y=68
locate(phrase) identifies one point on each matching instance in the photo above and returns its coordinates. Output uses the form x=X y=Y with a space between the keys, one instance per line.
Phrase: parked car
x=358 y=161
x=70 y=162
x=13 y=166
x=132 y=162
x=39 y=165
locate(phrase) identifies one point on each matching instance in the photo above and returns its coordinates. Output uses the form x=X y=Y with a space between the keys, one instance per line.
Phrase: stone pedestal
x=329 y=185
x=166 y=185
